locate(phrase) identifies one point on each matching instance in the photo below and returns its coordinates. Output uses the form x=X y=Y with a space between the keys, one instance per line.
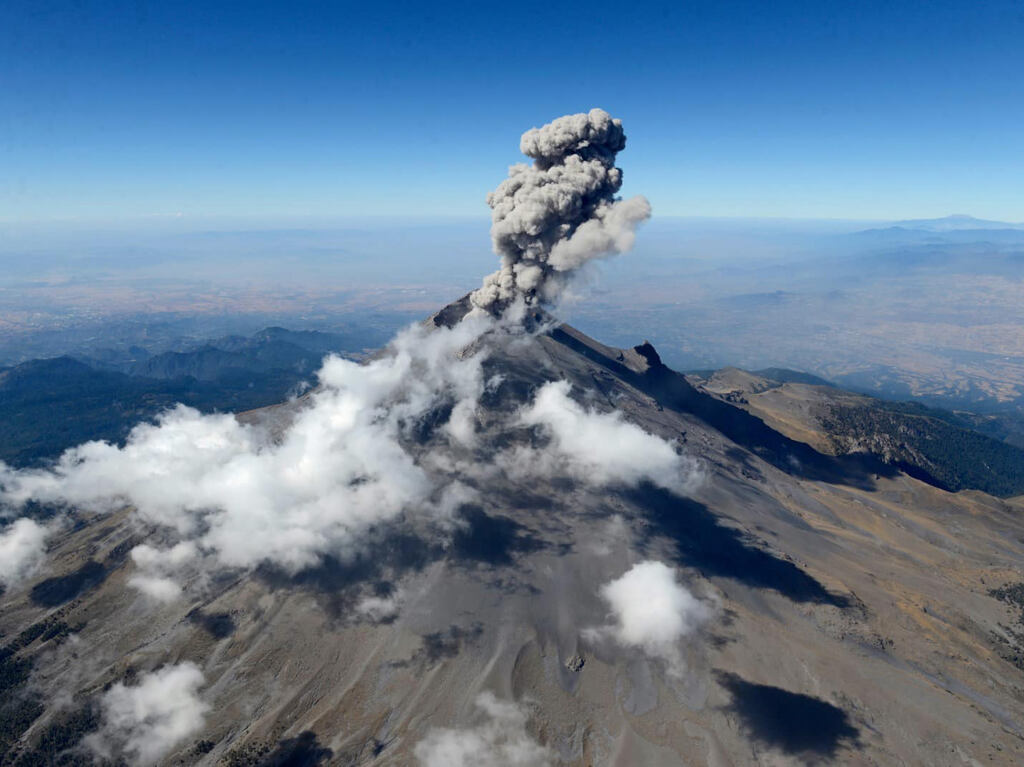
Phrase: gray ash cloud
x=553 y=217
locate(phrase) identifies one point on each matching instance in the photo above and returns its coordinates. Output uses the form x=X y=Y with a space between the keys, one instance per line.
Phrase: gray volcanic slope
x=852 y=620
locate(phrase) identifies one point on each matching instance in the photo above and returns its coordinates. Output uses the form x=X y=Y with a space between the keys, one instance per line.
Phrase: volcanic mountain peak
x=501 y=542
x=800 y=626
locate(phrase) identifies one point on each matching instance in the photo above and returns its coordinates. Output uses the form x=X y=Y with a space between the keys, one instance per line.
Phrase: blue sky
x=136 y=111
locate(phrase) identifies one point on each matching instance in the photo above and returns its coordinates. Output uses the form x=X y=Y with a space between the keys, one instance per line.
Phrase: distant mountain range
x=238 y=356
x=48 y=405
x=957 y=225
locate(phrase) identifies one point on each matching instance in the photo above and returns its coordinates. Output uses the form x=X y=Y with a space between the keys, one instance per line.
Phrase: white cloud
x=651 y=611
x=500 y=741
x=157 y=587
x=461 y=424
x=22 y=550
x=380 y=608
x=156 y=568
x=601 y=448
x=238 y=497
x=148 y=720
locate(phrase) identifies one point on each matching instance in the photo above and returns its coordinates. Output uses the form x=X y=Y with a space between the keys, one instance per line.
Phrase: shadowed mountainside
x=933 y=445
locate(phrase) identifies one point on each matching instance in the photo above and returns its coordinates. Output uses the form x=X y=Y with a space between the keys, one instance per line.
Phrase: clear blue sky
x=123 y=110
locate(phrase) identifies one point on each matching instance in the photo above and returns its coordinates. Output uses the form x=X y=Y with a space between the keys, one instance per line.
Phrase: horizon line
x=278 y=222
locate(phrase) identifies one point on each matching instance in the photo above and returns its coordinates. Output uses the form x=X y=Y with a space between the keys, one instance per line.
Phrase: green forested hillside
x=929 y=443
x=47 y=406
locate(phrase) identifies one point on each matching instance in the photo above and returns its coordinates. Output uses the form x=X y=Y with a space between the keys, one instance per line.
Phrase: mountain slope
x=934 y=445
x=849 y=618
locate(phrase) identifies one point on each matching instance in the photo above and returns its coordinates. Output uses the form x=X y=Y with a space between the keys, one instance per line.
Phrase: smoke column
x=552 y=217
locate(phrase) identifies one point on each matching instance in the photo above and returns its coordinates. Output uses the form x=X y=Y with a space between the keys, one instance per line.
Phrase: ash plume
x=552 y=217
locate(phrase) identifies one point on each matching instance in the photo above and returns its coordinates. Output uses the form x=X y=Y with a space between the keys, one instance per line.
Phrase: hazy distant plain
x=921 y=310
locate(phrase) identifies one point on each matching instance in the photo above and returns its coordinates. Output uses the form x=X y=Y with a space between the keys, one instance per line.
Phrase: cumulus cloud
x=500 y=741
x=380 y=608
x=22 y=550
x=161 y=588
x=601 y=448
x=146 y=721
x=157 y=569
x=650 y=610
x=552 y=217
x=236 y=495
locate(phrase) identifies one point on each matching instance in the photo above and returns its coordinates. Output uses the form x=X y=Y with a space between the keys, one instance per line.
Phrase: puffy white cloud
x=238 y=497
x=22 y=550
x=500 y=741
x=461 y=424
x=601 y=448
x=146 y=721
x=651 y=611
x=380 y=608
x=161 y=588
x=157 y=569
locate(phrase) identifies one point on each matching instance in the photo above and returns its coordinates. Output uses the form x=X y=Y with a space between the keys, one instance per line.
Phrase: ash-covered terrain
x=501 y=542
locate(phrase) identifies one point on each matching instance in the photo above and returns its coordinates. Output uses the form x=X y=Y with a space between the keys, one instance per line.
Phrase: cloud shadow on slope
x=61 y=589
x=304 y=750
x=492 y=540
x=217 y=625
x=792 y=722
x=481 y=540
x=438 y=646
x=703 y=542
x=339 y=582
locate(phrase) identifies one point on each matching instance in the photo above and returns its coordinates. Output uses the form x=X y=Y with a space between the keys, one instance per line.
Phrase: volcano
x=500 y=542
x=840 y=610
